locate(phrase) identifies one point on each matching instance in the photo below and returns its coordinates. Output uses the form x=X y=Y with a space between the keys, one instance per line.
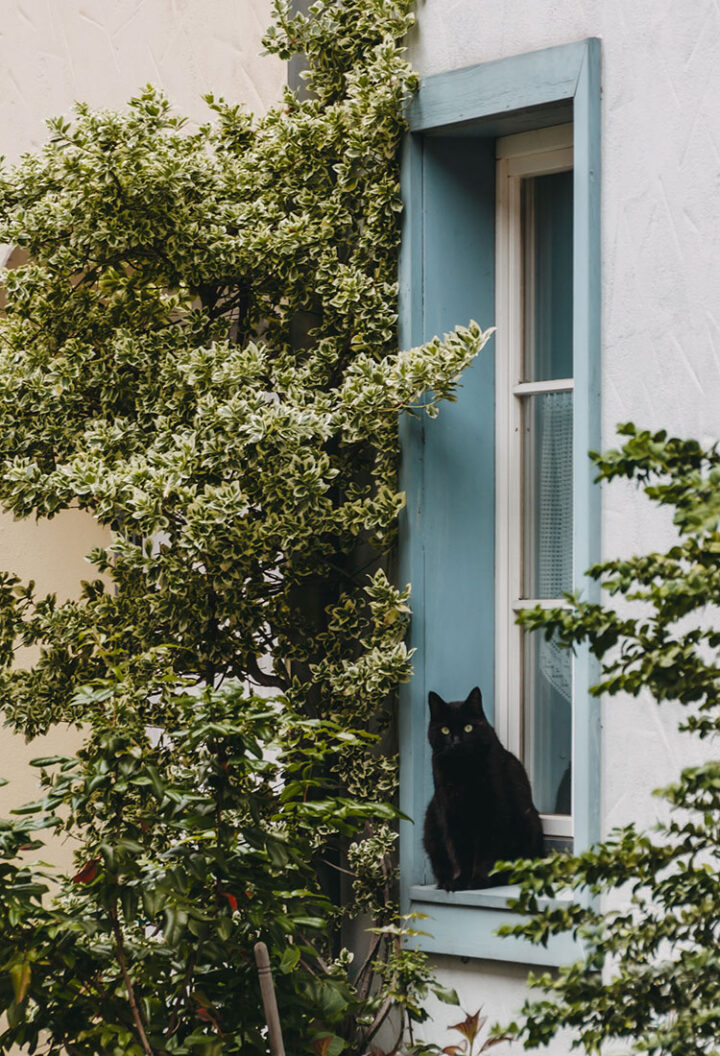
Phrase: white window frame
x=519 y=156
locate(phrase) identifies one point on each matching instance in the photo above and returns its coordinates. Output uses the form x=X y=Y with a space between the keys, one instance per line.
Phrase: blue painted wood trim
x=465 y=924
x=587 y=548
x=411 y=556
x=525 y=88
x=468 y=932
x=458 y=516
x=476 y=93
x=448 y=464
x=410 y=270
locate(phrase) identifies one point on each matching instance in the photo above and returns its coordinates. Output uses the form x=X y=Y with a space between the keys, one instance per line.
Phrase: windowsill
x=485 y=897
x=464 y=923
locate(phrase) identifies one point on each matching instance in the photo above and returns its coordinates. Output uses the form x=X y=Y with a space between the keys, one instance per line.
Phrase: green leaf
x=20 y=975
x=129 y=901
x=314 y=923
x=289 y=959
x=30 y=808
x=445 y=994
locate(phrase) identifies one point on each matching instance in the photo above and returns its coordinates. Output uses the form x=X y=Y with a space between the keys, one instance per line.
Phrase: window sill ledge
x=463 y=924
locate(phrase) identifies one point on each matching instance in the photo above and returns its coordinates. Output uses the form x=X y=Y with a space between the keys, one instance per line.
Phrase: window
x=501 y=505
x=534 y=465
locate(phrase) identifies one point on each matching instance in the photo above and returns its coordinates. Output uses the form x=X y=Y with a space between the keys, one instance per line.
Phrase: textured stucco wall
x=661 y=323
x=103 y=51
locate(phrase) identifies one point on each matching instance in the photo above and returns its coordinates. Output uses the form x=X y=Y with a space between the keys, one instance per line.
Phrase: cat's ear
x=436 y=704
x=475 y=701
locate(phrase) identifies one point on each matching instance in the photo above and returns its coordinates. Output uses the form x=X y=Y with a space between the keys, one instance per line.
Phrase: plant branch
x=337 y=868
x=364 y=986
x=262 y=679
x=120 y=951
x=380 y=1018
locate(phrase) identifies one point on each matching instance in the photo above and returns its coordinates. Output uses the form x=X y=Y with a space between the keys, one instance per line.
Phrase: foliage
x=191 y=846
x=649 y=977
x=201 y=353
x=470 y=1029
x=474 y=1037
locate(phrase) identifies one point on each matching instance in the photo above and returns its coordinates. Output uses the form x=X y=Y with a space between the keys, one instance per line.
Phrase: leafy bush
x=649 y=974
x=191 y=847
x=201 y=353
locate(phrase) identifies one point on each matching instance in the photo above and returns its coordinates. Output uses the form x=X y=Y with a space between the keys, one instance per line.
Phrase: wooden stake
x=267 y=989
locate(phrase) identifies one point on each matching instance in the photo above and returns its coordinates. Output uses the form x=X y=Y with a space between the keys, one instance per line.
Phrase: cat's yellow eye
x=468 y=728
x=445 y=730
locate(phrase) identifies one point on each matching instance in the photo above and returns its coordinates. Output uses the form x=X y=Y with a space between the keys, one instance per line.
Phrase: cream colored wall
x=102 y=51
x=53 y=52
x=53 y=554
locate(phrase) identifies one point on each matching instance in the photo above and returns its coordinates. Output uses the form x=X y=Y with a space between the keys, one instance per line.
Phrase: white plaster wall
x=494 y=988
x=102 y=51
x=661 y=319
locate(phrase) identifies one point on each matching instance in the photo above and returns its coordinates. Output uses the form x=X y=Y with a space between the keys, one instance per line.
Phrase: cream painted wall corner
x=102 y=52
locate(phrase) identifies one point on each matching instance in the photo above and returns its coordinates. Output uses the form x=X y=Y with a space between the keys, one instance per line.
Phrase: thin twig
x=308 y=968
x=120 y=949
x=364 y=986
x=318 y=956
x=378 y=1021
x=338 y=868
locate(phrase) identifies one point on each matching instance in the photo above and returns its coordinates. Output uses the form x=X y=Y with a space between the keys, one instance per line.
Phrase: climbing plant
x=201 y=352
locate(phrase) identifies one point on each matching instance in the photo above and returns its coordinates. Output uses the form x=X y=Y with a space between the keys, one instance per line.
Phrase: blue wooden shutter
x=448 y=462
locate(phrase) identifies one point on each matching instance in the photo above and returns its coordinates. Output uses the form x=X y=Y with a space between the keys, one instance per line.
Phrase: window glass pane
x=548 y=723
x=548 y=511
x=548 y=265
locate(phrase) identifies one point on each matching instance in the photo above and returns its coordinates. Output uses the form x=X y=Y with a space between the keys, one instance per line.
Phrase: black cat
x=482 y=810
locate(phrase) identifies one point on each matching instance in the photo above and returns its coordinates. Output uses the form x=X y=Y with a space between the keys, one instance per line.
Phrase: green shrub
x=202 y=353
x=649 y=973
